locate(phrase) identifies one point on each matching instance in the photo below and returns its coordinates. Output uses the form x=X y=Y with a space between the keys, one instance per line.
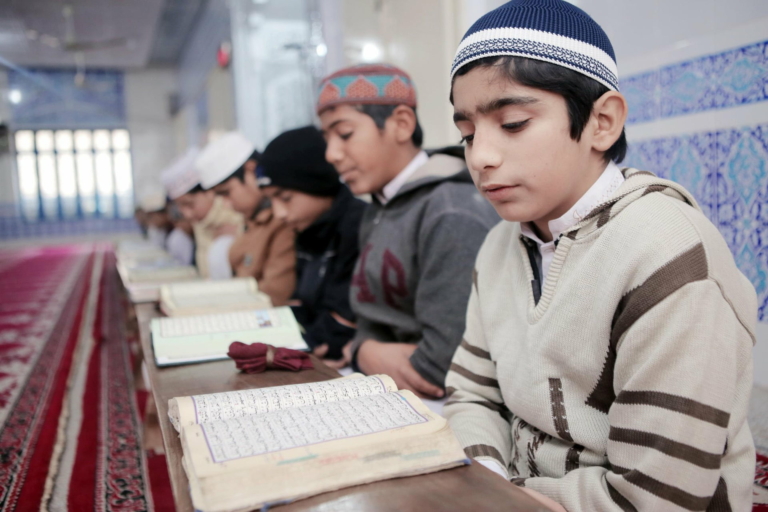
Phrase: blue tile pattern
x=727 y=172
x=727 y=79
x=15 y=228
x=51 y=99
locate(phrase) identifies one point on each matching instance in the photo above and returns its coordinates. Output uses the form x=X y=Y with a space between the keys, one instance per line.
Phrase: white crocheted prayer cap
x=222 y=157
x=181 y=176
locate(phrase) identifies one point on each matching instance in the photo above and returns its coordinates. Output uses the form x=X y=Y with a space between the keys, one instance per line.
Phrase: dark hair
x=197 y=189
x=579 y=91
x=240 y=172
x=380 y=114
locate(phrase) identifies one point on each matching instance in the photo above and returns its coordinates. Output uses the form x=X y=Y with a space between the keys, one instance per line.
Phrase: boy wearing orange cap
x=419 y=236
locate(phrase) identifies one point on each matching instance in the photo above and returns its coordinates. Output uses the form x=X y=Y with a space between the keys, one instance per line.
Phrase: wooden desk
x=468 y=488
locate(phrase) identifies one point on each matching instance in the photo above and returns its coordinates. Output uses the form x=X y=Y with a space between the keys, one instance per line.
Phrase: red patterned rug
x=760 y=493
x=70 y=435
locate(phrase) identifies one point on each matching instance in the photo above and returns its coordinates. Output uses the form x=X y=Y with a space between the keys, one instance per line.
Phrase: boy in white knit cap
x=215 y=225
x=266 y=251
x=607 y=359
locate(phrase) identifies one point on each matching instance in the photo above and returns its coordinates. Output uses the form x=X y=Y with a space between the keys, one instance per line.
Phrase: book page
x=215 y=287
x=161 y=272
x=181 y=295
x=296 y=427
x=220 y=323
x=184 y=411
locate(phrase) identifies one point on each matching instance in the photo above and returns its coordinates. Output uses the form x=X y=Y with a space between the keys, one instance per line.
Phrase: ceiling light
x=321 y=50
x=371 y=52
x=14 y=96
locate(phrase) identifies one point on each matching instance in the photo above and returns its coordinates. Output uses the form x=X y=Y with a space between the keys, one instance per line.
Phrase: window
x=67 y=174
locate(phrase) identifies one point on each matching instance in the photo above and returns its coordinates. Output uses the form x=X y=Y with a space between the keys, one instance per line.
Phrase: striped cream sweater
x=626 y=386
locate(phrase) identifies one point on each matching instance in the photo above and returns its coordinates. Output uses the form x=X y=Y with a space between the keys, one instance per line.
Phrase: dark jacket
x=326 y=253
x=414 y=274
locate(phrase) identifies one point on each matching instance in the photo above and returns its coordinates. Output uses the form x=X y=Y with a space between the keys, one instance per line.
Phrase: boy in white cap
x=165 y=231
x=266 y=250
x=153 y=204
x=215 y=225
x=606 y=363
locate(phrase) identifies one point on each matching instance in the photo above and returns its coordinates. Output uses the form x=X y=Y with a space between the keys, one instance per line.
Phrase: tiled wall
x=15 y=228
x=726 y=169
x=52 y=99
x=731 y=78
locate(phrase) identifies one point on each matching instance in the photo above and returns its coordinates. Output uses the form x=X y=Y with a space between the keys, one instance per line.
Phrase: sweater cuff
x=354 y=347
x=428 y=369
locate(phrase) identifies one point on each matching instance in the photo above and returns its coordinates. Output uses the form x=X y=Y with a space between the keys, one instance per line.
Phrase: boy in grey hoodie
x=418 y=238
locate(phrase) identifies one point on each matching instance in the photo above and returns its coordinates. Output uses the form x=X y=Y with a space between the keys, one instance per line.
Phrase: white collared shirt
x=600 y=191
x=391 y=189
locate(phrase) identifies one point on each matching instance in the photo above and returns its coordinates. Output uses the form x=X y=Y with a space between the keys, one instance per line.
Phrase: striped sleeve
x=475 y=408
x=677 y=368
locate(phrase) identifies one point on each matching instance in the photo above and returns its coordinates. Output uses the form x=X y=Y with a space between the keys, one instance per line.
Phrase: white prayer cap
x=222 y=157
x=181 y=176
x=152 y=202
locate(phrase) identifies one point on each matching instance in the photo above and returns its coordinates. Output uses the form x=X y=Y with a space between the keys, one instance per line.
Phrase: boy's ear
x=403 y=123
x=249 y=176
x=610 y=111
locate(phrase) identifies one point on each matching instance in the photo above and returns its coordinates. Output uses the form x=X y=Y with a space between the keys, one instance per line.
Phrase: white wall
x=420 y=37
x=147 y=99
x=7 y=180
x=660 y=29
x=221 y=101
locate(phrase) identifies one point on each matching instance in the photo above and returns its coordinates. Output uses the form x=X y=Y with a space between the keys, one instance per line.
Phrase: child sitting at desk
x=266 y=250
x=607 y=358
x=419 y=237
x=307 y=195
x=214 y=224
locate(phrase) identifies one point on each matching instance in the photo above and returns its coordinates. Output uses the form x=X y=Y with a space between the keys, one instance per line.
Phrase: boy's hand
x=336 y=364
x=547 y=502
x=393 y=359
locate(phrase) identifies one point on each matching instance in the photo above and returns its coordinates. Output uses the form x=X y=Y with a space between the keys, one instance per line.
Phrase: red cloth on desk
x=258 y=357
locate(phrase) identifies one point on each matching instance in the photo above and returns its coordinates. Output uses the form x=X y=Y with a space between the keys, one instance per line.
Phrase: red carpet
x=761 y=484
x=70 y=433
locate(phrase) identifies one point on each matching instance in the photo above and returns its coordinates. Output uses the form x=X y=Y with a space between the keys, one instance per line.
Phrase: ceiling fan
x=78 y=48
x=71 y=43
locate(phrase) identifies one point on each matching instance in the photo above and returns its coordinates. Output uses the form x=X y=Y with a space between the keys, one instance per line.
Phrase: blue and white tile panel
x=728 y=79
x=727 y=172
x=50 y=99
x=14 y=227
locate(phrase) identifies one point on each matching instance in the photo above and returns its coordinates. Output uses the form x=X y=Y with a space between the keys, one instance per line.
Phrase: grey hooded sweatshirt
x=414 y=274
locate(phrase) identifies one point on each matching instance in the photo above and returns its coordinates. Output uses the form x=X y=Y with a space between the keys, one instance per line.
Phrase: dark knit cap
x=295 y=160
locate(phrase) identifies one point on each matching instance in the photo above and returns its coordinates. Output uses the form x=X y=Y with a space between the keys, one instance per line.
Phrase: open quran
x=247 y=449
x=213 y=296
x=199 y=338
